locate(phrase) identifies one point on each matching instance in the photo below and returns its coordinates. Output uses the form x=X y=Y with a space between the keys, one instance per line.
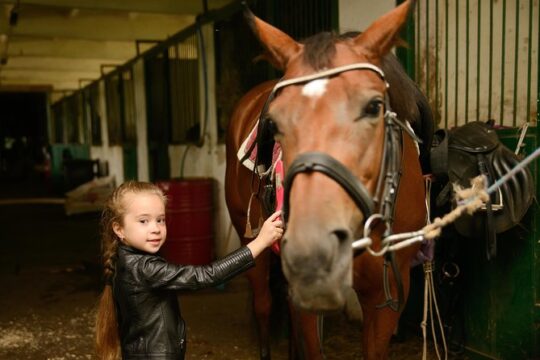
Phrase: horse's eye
x=373 y=108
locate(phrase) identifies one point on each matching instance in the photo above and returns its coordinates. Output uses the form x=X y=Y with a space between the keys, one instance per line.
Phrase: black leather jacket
x=144 y=285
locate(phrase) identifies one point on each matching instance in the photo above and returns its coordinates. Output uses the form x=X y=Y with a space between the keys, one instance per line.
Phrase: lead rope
x=430 y=297
x=523 y=132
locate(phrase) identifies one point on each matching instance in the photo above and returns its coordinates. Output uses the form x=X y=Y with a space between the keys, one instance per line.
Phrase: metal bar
x=427 y=60
x=529 y=63
x=176 y=117
x=478 y=58
x=467 y=50
x=537 y=112
x=418 y=43
x=102 y=68
x=538 y=87
x=503 y=59
x=407 y=55
x=437 y=92
x=456 y=74
x=139 y=42
x=446 y=66
x=84 y=80
x=334 y=10
x=490 y=71
x=516 y=65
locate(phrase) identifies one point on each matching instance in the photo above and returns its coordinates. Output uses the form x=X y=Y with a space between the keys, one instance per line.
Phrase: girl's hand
x=271 y=231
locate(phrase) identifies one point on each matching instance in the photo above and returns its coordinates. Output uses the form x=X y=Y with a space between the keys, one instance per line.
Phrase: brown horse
x=346 y=158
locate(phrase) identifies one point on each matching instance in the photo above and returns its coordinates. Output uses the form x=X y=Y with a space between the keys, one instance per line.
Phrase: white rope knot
x=477 y=193
x=469 y=200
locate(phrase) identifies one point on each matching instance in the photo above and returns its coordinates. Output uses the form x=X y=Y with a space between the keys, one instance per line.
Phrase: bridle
x=313 y=161
x=384 y=198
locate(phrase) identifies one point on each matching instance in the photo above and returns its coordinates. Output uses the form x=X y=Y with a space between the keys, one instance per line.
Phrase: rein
x=387 y=183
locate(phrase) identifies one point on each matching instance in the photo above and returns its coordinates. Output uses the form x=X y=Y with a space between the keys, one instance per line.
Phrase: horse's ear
x=280 y=47
x=382 y=35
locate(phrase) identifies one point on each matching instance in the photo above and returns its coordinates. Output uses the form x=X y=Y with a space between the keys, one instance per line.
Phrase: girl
x=138 y=311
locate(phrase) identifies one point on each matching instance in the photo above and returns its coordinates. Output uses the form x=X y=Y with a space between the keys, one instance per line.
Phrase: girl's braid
x=109 y=240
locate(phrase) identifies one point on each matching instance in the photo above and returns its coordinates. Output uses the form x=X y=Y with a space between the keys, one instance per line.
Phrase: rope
x=430 y=297
x=441 y=327
x=514 y=171
x=423 y=324
x=430 y=300
x=522 y=134
x=472 y=199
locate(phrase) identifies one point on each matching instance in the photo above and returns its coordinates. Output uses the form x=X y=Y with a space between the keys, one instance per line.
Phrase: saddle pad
x=250 y=141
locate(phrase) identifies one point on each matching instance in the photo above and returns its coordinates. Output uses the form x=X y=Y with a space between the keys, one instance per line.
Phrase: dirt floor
x=50 y=283
x=48 y=312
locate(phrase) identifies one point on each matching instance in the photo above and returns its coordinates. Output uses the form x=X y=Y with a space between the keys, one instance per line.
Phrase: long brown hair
x=107 y=336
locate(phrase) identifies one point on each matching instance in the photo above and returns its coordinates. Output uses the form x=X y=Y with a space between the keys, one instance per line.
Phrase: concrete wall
x=357 y=15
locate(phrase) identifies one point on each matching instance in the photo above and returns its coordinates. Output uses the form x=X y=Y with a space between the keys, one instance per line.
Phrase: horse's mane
x=319 y=50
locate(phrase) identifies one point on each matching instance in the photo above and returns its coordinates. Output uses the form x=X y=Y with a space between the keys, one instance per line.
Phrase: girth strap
x=320 y=162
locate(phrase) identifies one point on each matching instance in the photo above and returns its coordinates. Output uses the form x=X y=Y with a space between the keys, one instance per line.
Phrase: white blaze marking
x=315 y=88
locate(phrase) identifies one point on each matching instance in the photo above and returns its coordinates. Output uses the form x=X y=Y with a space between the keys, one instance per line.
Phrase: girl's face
x=144 y=226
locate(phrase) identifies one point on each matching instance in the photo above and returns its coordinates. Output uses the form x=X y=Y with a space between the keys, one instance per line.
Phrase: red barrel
x=190 y=227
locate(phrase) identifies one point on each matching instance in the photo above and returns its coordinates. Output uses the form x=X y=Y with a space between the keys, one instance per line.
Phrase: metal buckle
x=495 y=206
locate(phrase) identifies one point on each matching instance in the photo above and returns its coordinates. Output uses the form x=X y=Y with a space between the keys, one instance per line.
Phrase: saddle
x=475 y=149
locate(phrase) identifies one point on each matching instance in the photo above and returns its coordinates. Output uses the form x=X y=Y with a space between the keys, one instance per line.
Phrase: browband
x=330 y=72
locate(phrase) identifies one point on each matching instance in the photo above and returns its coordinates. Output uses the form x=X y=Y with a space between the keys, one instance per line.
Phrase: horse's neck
x=411 y=192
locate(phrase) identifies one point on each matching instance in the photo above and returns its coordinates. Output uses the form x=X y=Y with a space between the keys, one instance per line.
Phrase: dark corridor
x=24 y=144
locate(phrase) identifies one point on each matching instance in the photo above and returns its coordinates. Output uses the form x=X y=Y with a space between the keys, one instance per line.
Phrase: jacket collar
x=130 y=249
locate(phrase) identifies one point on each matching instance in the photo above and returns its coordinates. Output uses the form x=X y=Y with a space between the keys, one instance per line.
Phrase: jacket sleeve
x=157 y=273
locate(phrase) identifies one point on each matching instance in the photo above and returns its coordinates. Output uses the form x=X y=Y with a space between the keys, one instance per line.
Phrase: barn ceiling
x=61 y=44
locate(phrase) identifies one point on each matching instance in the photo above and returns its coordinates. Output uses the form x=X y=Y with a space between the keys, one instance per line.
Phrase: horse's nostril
x=342 y=235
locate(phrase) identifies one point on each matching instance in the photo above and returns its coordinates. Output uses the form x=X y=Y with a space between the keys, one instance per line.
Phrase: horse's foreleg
x=305 y=342
x=262 y=301
x=379 y=325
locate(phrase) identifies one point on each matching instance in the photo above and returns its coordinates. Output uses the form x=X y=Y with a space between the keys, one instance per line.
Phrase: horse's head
x=338 y=116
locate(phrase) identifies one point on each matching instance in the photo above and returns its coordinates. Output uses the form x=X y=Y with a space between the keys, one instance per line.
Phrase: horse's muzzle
x=318 y=269
x=319 y=297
